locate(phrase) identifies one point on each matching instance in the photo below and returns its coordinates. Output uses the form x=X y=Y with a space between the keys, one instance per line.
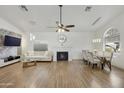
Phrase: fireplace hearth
x=62 y=56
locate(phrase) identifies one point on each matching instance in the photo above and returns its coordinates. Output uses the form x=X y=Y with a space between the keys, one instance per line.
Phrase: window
x=112 y=40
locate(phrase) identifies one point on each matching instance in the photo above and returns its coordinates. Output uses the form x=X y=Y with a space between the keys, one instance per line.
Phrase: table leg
x=35 y=63
x=102 y=66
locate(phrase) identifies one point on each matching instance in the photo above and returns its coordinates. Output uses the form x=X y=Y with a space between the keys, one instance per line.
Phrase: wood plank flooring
x=60 y=75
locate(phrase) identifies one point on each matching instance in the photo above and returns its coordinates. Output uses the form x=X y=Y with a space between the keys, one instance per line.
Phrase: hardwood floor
x=60 y=75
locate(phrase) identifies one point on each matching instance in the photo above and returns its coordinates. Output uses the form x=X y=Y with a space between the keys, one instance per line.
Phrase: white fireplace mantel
x=62 y=48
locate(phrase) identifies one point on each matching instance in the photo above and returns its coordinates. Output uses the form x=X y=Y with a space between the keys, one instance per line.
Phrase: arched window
x=112 y=40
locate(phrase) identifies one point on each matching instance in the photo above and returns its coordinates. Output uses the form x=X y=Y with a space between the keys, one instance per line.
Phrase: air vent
x=88 y=8
x=96 y=20
x=23 y=7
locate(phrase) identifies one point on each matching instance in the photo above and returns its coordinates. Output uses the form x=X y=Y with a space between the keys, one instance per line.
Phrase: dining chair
x=93 y=60
x=108 y=56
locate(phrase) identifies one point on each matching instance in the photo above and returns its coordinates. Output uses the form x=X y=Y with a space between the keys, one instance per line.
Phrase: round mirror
x=62 y=38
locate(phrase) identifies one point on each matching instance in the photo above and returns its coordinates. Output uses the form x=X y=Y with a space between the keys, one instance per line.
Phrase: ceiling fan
x=60 y=27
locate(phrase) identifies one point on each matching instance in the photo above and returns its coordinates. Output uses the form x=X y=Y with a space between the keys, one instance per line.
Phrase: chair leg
x=93 y=66
x=102 y=66
x=109 y=65
x=85 y=62
x=96 y=65
x=89 y=63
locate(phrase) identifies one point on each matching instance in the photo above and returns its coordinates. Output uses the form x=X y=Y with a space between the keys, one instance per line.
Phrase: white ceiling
x=40 y=17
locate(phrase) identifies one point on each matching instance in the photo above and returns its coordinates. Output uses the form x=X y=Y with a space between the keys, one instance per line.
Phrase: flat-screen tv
x=12 y=41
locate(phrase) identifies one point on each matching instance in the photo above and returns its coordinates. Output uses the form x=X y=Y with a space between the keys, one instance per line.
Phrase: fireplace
x=62 y=56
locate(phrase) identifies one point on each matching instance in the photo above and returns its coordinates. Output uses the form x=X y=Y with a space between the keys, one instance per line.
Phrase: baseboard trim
x=77 y=60
x=118 y=67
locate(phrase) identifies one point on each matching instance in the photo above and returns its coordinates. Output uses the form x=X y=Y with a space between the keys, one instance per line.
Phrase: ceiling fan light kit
x=60 y=30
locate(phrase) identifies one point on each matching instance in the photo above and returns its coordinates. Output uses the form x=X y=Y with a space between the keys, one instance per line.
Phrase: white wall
x=6 y=25
x=77 y=40
x=118 y=23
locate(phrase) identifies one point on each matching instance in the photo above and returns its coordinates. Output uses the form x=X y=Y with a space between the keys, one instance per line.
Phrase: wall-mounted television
x=12 y=41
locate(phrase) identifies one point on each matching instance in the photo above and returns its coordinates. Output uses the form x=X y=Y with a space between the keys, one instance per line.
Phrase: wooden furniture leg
x=109 y=64
x=102 y=66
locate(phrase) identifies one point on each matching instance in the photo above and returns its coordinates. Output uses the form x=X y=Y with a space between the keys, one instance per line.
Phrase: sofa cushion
x=30 y=53
x=41 y=53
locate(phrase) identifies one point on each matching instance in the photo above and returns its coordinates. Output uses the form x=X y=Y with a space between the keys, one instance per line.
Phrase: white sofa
x=39 y=55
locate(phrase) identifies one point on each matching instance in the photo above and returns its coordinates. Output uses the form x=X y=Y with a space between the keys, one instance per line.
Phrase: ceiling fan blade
x=62 y=25
x=66 y=29
x=69 y=26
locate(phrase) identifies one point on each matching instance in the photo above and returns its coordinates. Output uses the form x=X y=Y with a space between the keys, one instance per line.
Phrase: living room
x=57 y=46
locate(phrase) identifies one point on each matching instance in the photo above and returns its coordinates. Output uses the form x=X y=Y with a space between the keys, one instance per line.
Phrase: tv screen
x=12 y=41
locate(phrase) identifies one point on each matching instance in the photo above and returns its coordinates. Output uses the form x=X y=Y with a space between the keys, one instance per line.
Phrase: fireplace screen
x=62 y=56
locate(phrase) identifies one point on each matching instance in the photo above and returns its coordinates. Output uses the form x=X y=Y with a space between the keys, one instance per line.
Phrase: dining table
x=103 y=60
